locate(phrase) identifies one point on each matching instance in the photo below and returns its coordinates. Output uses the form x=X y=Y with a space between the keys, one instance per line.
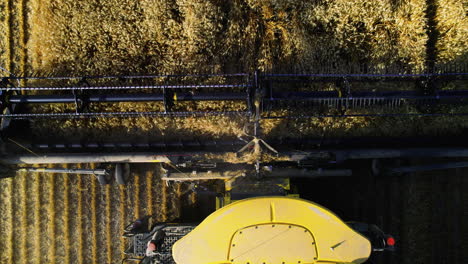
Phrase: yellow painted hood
x=272 y=230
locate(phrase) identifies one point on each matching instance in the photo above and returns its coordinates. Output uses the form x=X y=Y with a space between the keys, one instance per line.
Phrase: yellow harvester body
x=272 y=230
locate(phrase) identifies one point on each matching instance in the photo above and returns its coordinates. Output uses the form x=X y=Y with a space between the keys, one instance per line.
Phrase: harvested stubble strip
x=20 y=217
x=136 y=198
x=6 y=220
x=108 y=220
x=51 y=212
x=416 y=210
x=174 y=203
x=122 y=217
x=32 y=227
x=44 y=230
x=101 y=224
x=88 y=219
x=37 y=232
x=68 y=242
x=149 y=176
x=156 y=189
x=78 y=235
x=140 y=191
x=129 y=200
x=74 y=218
x=61 y=218
x=116 y=222
x=93 y=209
x=145 y=190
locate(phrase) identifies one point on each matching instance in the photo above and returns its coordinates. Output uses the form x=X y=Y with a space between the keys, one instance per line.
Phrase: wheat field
x=54 y=218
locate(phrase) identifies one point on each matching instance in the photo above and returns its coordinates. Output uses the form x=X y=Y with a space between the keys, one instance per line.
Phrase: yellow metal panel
x=210 y=242
x=272 y=243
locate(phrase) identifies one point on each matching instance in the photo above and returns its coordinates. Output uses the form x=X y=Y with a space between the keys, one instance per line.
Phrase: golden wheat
x=6 y=227
x=4 y=36
x=189 y=36
x=192 y=36
x=163 y=203
x=21 y=216
x=452 y=25
x=15 y=23
x=21 y=6
x=149 y=192
x=136 y=201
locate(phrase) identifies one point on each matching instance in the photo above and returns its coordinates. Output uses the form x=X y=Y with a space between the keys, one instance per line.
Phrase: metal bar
x=194 y=176
x=119 y=145
x=307 y=173
x=148 y=157
x=120 y=114
x=92 y=158
x=429 y=167
x=389 y=95
x=66 y=171
x=191 y=86
x=124 y=76
x=352 y=154
x=226 y=75
x=310 y=143
x=411 y=152
x=365 y=115
x=365 y=75
x=276 y=173
x=376 y=142
x=363 y=79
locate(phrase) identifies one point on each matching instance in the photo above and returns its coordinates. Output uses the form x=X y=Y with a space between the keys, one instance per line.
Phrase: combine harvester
x=268 y=228
x=259 y=218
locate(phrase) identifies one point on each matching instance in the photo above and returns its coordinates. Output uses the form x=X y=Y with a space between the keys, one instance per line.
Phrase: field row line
x=66 y=217
x=79 y=224
x=122 y=217
x=108 y=223
x=93 y=220
x=6 y=221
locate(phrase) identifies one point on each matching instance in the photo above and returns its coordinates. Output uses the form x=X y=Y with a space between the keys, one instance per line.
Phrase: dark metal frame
x=255 y=89
x=258 y=90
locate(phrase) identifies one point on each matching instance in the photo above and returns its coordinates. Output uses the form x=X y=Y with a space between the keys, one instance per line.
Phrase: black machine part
x=379 y=240
x=162 y=235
